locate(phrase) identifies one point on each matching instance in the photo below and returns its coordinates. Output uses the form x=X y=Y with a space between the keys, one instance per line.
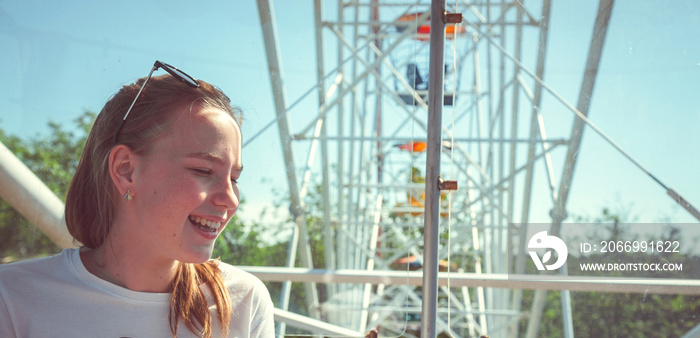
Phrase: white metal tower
x=365 y=145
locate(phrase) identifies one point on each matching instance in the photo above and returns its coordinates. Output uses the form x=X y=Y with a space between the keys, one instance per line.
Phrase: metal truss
x=365 y=143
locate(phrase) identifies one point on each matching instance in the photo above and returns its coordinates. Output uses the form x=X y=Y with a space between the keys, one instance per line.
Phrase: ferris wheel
x=372 y=129
x=371 y=134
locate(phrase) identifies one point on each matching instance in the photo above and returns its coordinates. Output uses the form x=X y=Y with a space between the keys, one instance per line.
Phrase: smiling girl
x=156 y=185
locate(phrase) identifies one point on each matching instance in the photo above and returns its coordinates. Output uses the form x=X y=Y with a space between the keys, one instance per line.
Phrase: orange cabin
x=423 y=31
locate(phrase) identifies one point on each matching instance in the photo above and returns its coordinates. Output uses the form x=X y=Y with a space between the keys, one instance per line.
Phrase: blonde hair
x=91 y=199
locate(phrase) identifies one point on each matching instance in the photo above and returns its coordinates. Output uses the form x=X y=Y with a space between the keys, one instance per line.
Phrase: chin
x=198 y=256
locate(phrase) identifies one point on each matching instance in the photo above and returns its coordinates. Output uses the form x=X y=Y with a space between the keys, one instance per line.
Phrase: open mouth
x=204 y=224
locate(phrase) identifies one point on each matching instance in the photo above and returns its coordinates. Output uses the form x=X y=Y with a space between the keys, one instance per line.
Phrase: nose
x=226 y=195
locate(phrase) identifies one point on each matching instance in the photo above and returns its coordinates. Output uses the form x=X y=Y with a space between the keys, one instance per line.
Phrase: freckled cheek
x=188 y=190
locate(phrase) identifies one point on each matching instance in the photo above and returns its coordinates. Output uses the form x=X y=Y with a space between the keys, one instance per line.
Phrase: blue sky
x=61 y=58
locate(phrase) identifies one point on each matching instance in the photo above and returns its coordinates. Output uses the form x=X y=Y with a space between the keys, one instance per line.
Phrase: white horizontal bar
x=315 y=326
x=502 y=281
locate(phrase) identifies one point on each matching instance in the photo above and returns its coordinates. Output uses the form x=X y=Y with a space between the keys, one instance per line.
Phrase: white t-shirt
x=57 y=297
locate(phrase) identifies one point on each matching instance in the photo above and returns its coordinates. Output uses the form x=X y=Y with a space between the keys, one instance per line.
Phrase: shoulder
x=37 y=267
x=245 y=289
x=26 y=279
x=253 y=308
x=239 y=280
x=27 y=289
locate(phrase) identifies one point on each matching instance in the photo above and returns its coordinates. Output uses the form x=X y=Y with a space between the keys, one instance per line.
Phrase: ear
x=122 y=161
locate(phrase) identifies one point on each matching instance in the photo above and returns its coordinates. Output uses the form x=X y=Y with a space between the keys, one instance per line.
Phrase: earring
x=128 y=195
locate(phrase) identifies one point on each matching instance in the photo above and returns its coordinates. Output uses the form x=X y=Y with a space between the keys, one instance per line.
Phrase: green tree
x=53 y=159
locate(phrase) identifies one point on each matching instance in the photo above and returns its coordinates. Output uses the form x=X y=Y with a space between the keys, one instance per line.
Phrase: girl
x=156 y=185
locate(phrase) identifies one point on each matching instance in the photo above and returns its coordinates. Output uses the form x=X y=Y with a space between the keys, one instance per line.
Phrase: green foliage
x=243 y=245
x=598 y=314
x=53 y=159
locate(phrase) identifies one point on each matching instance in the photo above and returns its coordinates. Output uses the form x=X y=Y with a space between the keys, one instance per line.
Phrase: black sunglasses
x=178 y=74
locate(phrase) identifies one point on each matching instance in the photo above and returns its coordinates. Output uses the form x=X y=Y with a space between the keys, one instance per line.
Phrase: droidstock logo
x=541 y=241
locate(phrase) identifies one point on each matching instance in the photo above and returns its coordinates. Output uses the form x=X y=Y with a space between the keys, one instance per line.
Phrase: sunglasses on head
x=178 y=74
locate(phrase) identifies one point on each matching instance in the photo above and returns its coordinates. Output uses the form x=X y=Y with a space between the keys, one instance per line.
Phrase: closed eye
x=201 y=171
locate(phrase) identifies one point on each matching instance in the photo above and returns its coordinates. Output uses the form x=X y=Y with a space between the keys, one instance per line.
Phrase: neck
x=129 y=268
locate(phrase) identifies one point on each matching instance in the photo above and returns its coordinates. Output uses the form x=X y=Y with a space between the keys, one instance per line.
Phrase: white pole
x=27 y=194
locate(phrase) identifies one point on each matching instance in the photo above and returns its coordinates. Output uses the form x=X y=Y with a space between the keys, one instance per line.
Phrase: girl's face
x=185 y=186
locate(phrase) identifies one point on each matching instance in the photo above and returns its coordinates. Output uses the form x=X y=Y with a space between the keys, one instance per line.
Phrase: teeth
x=205 y=222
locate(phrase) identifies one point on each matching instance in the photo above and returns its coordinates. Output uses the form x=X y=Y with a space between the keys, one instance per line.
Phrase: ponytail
x=188 y=301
